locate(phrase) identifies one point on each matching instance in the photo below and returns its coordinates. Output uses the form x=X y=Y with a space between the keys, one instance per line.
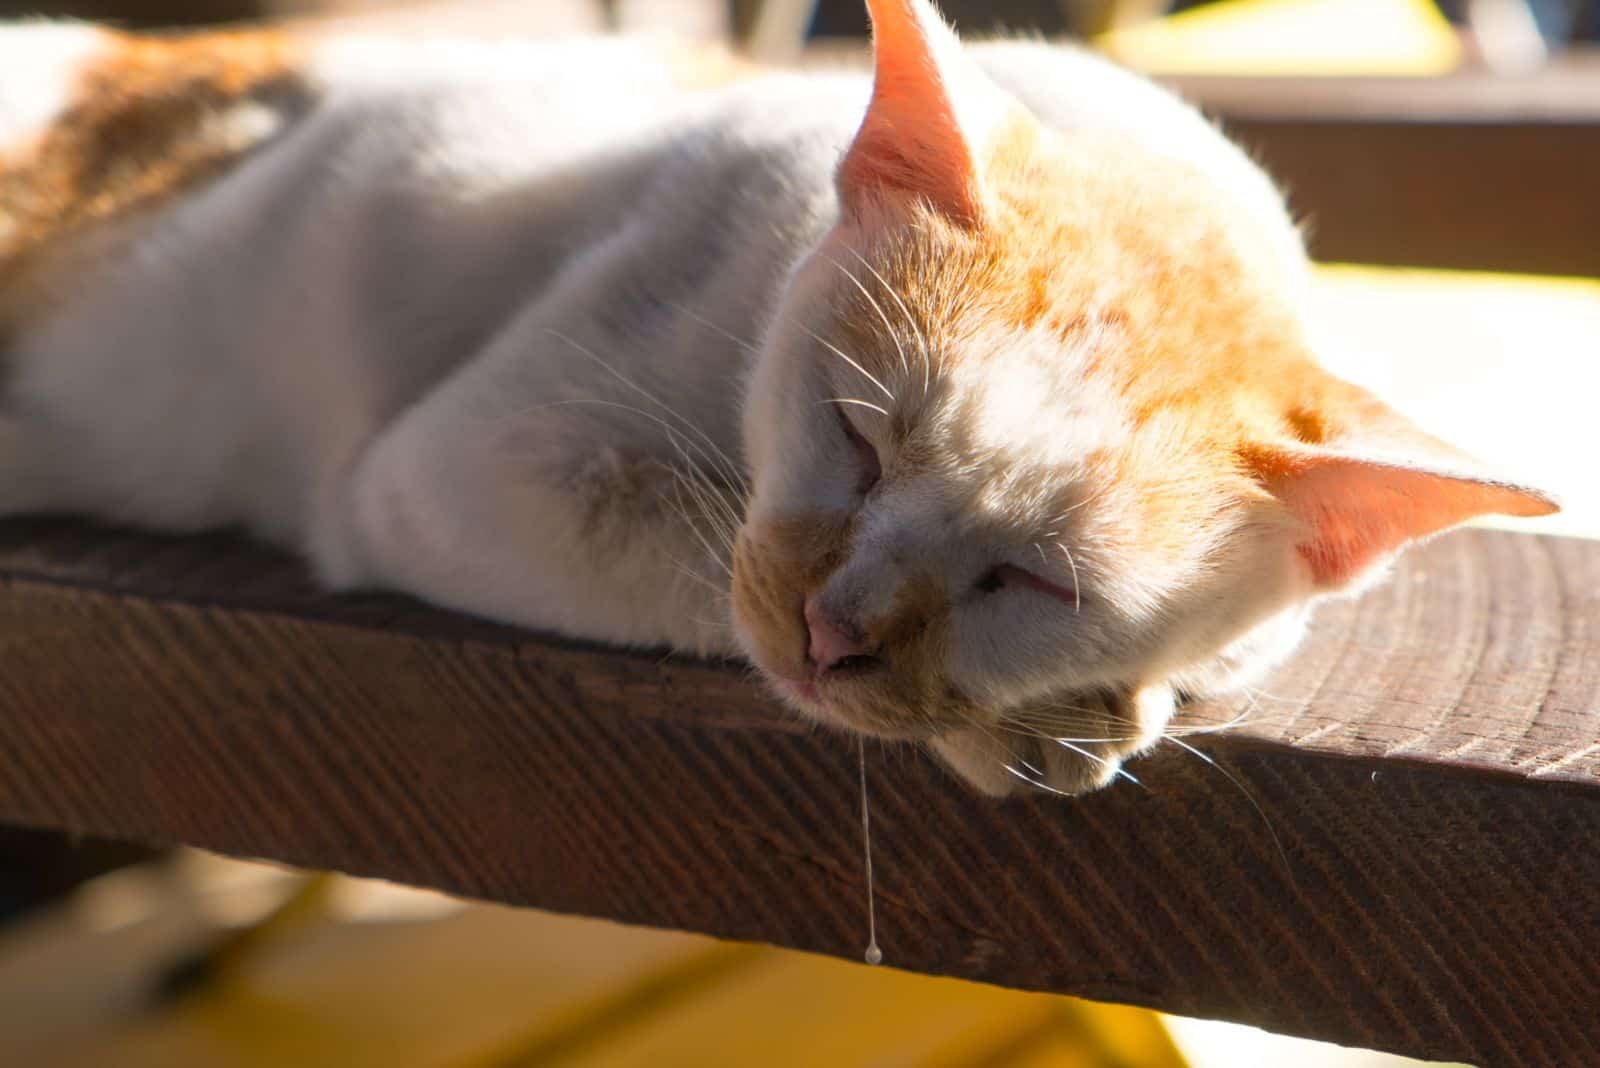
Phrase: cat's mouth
x=802 y=690
x=844 y=703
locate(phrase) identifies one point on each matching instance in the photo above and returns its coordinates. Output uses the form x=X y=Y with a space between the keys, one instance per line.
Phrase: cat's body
x=495 y=324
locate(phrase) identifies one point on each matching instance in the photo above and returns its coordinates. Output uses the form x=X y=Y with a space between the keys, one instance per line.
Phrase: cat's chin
x=1000 y=766
x=1009 y=758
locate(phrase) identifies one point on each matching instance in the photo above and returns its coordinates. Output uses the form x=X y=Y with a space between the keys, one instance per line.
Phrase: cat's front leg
x=538 y=520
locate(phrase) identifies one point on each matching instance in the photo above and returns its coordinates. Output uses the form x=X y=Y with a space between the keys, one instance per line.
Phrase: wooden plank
x=1472 y=170
x=1398 y=846
x=1467 y=195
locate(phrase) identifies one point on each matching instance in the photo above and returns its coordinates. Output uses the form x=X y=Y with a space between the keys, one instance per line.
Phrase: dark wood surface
x=1398 y=845
x=1470 y=171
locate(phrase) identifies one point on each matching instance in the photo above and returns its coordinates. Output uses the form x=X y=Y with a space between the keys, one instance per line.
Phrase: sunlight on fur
x=975 y=402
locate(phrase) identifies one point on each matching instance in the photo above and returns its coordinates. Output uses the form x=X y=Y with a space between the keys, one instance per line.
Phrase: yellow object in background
x=357 y=974
x=1306 y=37
x=352 y=973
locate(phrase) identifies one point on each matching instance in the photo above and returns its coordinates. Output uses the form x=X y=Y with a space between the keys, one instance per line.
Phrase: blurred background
x=1554 y=22
x=1468 y=297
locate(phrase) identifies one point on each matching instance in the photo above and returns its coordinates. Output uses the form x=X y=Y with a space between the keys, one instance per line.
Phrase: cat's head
x=1036 y=439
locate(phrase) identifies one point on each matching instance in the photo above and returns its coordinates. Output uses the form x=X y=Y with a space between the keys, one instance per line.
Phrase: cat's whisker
x=1108 y=737
x=1064 y=713
x=1077 y=595
x=719 y=558
x=710 y=587
x=1214 y=728
x=1091 y=499
x=894 y=335
x=831 y=347
x=707 y=495
x=730 y=468
x=1115 y=728
x=678 y=506
x=1047 y=736
x=978 y=724
x=684 y=309
x=1256 y=691
x=711 y=503
x=711 y=553
x=1038 y=783
x=667 y=427
x=911 y=320
x=1065 y=743
x=859 y=403
x=694 y=531
x=1271 y=830
x=716 y=509
x=1115 y=767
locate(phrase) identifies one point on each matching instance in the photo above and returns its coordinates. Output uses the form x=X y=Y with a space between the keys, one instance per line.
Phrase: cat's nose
x=833 y=645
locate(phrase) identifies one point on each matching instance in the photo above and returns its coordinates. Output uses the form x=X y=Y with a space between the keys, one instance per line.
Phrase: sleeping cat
x=970 y=401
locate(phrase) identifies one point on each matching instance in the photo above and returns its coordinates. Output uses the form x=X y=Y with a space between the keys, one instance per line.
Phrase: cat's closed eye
x=1010 y=576
x=866 y=454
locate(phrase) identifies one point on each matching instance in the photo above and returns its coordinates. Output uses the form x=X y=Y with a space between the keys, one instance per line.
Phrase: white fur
x=444 y=331
x=39 y=67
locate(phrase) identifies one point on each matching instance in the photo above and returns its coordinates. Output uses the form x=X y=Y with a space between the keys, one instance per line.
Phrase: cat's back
x=281 y=240
x=102 y=132
x=288 y=239
x=98 y=126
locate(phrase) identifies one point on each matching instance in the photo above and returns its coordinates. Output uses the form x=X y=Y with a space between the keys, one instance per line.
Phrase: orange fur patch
x=1179 y=306
x=147 y=120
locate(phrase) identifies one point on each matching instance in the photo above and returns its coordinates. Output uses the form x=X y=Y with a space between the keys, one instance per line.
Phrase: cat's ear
x=1359 y=499
x=931 y=115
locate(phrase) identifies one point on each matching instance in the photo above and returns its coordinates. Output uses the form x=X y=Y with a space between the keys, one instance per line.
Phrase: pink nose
x=830 y=642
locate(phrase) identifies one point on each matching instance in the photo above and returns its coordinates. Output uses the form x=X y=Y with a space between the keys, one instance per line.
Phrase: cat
x=969 y=399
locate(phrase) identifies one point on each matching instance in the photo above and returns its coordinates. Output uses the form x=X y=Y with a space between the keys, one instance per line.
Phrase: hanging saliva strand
x=873 y=955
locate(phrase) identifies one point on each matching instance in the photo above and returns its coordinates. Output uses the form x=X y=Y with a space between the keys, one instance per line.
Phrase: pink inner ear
x=912 y=142
x=1359 y=512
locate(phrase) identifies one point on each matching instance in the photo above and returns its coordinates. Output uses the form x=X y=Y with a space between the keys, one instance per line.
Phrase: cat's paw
x=1021 y=753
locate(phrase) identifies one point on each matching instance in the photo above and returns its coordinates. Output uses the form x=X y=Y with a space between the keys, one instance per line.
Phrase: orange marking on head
x=1171 y=295
x=1197 y=337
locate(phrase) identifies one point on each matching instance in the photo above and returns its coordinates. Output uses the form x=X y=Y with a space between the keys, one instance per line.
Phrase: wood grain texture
x=1398 y=846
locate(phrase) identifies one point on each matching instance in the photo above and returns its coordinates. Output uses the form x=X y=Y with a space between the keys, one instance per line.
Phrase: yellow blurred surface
x=367 y=974
x=1340 y=37
x=389 y=977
